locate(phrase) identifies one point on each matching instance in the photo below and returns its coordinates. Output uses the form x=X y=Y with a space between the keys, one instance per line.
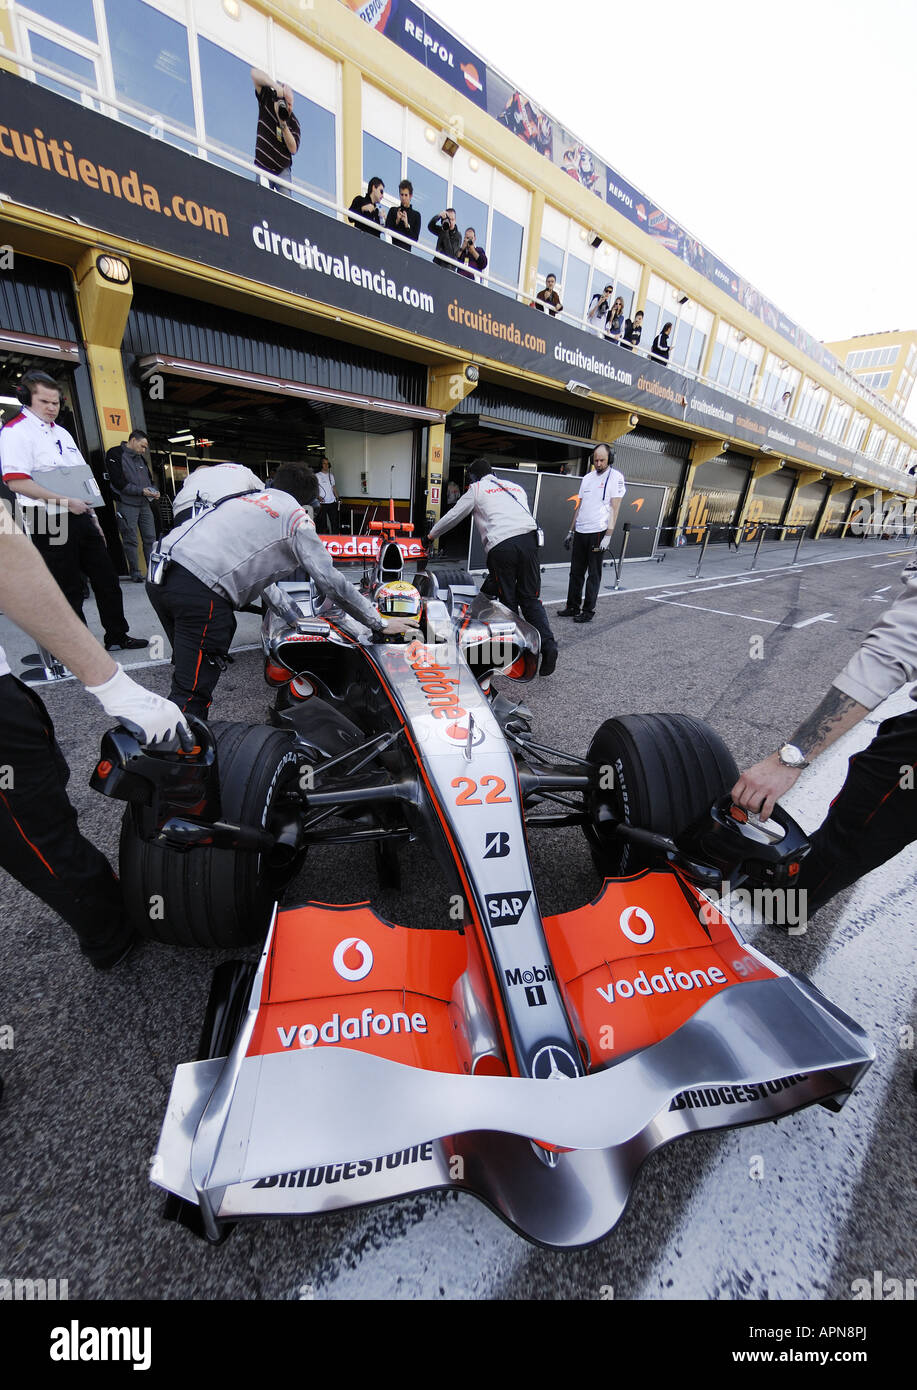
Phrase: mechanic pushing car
x=874 y=815
x=40 y=843
x=223 y=559
x=509 y=534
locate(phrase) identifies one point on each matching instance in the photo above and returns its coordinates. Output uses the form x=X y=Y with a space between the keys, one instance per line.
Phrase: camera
x=283 y=111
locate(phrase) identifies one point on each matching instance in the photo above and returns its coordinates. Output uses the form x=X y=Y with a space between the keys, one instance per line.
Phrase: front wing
x=299 y=1119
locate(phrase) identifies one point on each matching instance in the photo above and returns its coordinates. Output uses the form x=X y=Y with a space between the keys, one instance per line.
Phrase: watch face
x=791 y=756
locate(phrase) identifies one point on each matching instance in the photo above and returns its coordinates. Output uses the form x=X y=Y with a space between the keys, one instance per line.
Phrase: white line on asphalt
x=819 y=618
x=886 y=563
x=777 y=569
x=722 y=611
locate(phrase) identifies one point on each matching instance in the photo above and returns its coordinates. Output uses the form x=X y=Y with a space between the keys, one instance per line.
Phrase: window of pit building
x=430 y=197
x=736 y=360
x=65 y=61
x=857 y=431
x=837 y=419
x=692 y=323
x=611 y=267
x=874 y=442
x=811 y=405
x=151 y=66
x=888 y=450
x=230 y=113
x=76 y=15
x=778 y=378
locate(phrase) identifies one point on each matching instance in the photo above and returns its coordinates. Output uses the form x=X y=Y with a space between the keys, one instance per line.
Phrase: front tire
x=661 y=772
x=218 y=897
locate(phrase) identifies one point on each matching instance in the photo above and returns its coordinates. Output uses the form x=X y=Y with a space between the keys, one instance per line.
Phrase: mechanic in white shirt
x=32 y=444
x=594 y=520
x=509 y=534
x=208 y=484
x=40 y=843
x=328 y=517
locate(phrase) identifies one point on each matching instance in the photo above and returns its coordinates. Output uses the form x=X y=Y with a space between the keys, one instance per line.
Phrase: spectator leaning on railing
x=548 y=301
x=660 y=352
x=599 y=310
x=632 y=330
x=278 y=134
x=404 y=221
x=448 y=237
x=368 y=207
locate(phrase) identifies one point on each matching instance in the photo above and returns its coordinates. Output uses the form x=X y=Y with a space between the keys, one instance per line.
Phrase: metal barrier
x=739 y=531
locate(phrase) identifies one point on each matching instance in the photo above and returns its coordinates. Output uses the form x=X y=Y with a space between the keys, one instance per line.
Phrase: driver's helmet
x=398 y=599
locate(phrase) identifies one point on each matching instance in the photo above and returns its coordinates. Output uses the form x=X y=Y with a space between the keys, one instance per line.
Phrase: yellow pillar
x=642 y=291
x=103 y=309
x=612 y=425
x=6 y=37
x=759 y=470
x=803 y=478
x=351 y=131
x=702 y=451
x=533 y=248
x=711 y=344
x=875 y=496
x=447 y=384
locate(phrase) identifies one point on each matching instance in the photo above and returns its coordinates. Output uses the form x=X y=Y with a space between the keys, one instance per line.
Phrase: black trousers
x=328 y=519
x=872 y=818
x=517 y=574
x=40 y=843
x=200 y=626
x=84 y=552
x=586 y=563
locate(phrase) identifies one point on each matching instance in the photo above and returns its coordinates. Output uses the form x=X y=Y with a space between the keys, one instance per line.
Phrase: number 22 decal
x=493 y=798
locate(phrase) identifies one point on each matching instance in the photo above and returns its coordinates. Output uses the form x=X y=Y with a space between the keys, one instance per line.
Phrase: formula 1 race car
x=360 y=1060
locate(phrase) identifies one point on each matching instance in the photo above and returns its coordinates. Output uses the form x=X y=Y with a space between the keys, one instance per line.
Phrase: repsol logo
x=709 y=1097
x=535 y=976
x=345 y=1172
x=619 y=193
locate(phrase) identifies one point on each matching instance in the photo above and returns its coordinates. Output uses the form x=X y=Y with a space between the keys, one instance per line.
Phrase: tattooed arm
x=764 y=784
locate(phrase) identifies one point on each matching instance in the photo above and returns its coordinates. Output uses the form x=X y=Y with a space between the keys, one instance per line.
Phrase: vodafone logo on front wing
x=353 y=958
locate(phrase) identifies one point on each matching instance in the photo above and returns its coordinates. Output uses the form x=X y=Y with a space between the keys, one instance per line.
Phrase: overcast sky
x=780 y=135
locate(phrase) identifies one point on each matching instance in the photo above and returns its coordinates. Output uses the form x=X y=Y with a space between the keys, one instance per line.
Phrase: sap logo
x=359 y=955
x=496 y=844
x=505 y=909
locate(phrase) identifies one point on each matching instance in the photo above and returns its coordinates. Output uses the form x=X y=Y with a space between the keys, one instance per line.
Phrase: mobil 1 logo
x=532 y=981
x=505 y=909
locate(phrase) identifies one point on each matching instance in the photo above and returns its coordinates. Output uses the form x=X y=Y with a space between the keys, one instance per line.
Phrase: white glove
x=605 y=542
x=141 y=712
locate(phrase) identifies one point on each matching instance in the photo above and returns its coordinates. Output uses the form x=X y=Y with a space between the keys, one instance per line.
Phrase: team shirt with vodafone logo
x=597 y=492
x=501 y=510
x=29 y=447
x=247 y=543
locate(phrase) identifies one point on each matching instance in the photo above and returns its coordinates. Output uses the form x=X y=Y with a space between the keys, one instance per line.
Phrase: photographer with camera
x=278 y=134
x=472 y=255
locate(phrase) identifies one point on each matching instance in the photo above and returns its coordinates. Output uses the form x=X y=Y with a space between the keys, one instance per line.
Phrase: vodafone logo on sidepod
x=352 y=959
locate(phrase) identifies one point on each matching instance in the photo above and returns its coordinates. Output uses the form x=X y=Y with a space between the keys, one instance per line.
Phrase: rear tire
x=667 y=770
x=455 y=576
x=217 y=897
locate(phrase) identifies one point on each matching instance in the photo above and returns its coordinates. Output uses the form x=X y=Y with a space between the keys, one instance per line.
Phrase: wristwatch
x=791 y=756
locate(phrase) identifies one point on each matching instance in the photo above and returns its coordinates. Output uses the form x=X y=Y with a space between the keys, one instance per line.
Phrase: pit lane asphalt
x=90 y=1070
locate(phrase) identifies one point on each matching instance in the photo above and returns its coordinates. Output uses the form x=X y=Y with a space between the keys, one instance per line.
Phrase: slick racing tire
x=462 y=578
x=663 y=771
x=218 y=897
